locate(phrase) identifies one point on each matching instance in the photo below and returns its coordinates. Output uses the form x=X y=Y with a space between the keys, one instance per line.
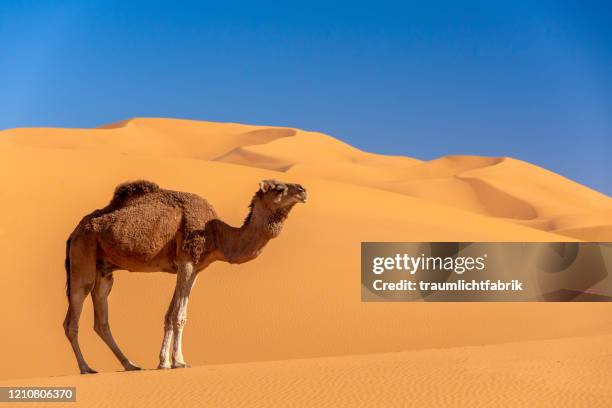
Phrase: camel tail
x=67 y=266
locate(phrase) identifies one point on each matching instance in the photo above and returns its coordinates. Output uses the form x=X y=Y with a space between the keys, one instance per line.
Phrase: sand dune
x=571 y=372
x=499 y=187
x=505 y=188
x=301 y=298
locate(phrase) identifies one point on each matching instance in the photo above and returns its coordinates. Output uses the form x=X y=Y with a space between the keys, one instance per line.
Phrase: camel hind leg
x=104 y=284
x=81 y=268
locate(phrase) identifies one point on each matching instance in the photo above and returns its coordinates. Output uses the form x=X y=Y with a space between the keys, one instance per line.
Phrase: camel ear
x=265 y=185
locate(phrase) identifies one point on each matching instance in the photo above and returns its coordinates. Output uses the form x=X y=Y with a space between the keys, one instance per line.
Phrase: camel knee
x=101 y=328
x=66 y=323
x=179 y=323
x=71 y=330
x=175 y=319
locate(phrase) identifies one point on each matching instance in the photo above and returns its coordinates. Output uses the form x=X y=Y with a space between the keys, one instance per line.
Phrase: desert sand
x=277 y=325
x=527 y=374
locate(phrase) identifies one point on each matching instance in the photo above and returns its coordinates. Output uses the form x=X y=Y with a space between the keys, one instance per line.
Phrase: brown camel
x=146 y=228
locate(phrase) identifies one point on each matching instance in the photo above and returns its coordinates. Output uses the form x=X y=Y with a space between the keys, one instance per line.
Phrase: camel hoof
x=129 y=366
x=132 y=367
x=180 y=365
x=88 y=370
x=164 y=366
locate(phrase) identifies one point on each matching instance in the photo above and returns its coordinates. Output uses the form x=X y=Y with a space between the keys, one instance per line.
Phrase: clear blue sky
x=528 y=79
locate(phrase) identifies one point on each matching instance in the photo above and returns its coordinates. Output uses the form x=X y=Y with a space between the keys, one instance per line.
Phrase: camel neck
x=242 y=244
x=264 y=221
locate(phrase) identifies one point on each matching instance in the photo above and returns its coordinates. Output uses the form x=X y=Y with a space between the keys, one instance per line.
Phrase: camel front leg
x=164 y=353
x=176 y=317
x=185 y=280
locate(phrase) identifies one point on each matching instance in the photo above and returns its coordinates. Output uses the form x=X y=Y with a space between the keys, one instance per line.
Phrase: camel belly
x=163 y=262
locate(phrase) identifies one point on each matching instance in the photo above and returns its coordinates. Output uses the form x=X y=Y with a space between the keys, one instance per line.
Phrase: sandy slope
x=573 y=372
x=500 y=187
x=301 y=298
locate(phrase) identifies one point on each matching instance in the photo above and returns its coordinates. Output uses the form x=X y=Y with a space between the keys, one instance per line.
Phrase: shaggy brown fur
x=132 y=189
x=147 y=228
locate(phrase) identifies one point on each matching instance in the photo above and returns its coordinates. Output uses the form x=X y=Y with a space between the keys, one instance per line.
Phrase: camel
x=146 y=228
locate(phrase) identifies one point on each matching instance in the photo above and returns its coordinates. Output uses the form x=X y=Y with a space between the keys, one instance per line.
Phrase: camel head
x=276 y=194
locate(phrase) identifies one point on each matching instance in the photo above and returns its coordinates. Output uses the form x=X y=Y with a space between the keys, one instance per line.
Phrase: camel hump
x=133 y=189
